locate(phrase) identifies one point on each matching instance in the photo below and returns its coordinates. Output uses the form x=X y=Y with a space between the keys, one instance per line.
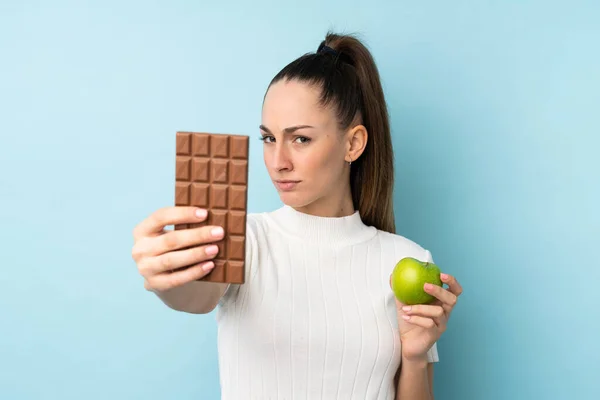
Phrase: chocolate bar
x=212 y=173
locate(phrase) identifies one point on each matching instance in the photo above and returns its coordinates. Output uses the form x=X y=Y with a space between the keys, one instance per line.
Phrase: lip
x=286 y=184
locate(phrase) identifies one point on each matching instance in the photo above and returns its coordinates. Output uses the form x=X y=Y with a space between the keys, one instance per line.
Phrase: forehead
x=293 y=102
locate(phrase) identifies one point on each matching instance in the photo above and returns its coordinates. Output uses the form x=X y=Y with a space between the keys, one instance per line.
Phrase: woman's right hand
x=161 y=255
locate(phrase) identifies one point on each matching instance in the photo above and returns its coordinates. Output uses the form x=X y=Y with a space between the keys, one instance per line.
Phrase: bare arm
x=430 y=375
x=416 y=381
x=193 y=297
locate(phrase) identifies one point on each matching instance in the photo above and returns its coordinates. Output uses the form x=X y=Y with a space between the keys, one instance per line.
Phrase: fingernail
x=212 y=250
x=217 y=232
x=200 y=213
x=444 y=276
x=208 y=266
x=406 y=317
x=428 y=286
x=406 y=308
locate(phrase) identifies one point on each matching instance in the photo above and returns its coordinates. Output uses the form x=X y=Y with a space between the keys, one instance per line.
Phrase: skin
x=317 y=156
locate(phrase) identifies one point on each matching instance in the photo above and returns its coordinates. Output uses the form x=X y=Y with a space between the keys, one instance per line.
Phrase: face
x=305 y=153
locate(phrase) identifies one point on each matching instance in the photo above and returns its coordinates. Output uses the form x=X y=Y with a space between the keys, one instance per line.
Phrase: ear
x=356 y=142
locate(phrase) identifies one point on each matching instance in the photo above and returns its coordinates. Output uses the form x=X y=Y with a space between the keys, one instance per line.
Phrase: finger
x=184 y=238
x=447 y=298
x=452 y=283
x=172 y=280
x=176 y=240
x=423 y=310
x=158 y=220
x=423 y=322
x=177 y=259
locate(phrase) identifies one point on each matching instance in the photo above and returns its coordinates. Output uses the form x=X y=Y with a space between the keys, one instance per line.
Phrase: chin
x=294 y=200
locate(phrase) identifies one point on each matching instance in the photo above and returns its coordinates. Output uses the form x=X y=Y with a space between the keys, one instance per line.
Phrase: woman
x=316 y=317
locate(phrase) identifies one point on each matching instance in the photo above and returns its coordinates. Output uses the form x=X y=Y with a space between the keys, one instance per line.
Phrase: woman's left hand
x=422 y=325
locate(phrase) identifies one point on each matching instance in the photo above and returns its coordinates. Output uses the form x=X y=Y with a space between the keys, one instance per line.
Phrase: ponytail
x=345 y=70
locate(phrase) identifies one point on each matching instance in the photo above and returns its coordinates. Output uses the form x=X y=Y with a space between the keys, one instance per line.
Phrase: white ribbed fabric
x=316 y=318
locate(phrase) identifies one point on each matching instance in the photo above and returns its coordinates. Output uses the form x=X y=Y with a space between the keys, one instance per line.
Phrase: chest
x=323 y=300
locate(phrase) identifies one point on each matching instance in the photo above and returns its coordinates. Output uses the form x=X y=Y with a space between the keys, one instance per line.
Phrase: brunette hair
x=345 y=71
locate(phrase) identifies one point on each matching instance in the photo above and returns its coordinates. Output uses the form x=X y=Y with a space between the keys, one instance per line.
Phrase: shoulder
x=256 y=233
x=258 y=224
x=255 y=224
x=404 y=247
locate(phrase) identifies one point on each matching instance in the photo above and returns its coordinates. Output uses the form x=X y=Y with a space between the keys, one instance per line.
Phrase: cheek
x=324 y=164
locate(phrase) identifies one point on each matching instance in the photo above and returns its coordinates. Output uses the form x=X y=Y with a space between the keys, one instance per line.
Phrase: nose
x=281 y=159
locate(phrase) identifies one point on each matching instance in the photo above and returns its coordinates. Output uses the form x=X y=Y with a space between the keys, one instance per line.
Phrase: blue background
x=495 y=112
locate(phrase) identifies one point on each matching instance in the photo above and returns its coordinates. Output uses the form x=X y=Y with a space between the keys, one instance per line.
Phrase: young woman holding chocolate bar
x=316 y=317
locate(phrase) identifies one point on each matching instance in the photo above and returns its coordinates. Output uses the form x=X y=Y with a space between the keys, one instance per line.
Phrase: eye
x=266 y=139
x=302 y=139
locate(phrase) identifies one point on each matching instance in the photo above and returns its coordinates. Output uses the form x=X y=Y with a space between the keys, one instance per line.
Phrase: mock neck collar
x=329 y=231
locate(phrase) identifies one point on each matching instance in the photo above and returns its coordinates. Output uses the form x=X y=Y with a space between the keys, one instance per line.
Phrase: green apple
x=409 y=277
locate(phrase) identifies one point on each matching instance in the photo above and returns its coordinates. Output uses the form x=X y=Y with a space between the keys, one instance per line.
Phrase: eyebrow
x=289 y=130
